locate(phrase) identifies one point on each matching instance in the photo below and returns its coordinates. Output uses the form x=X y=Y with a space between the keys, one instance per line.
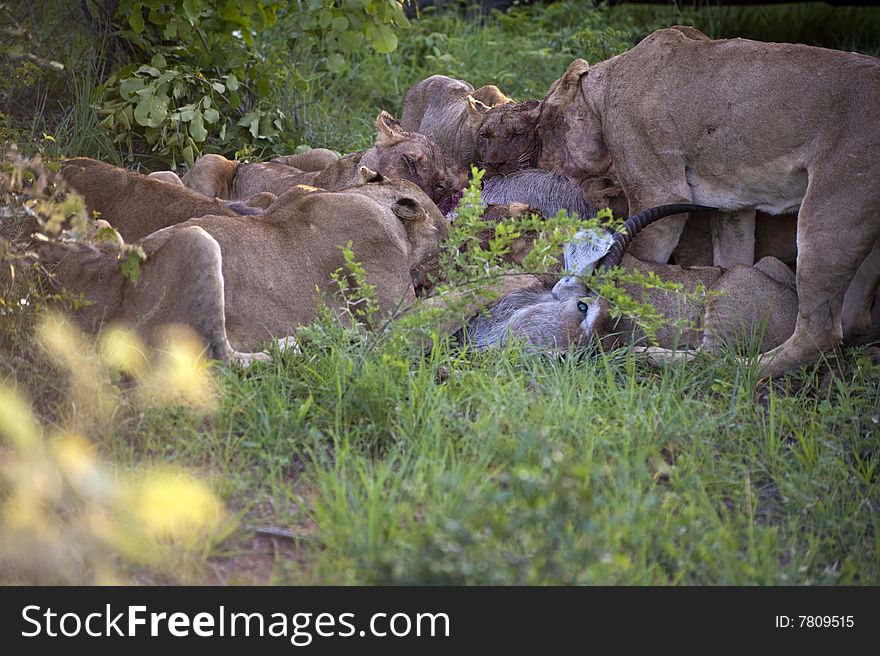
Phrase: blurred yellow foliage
x=68 y=517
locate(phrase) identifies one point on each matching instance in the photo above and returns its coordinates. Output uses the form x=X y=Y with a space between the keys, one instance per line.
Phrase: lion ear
x=409 y=209
x=573 y=74
x=367 y=175
x=476 y=109
x=388 y=129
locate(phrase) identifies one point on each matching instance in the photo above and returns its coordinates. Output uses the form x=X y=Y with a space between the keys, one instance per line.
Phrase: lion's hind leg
x=182 y=283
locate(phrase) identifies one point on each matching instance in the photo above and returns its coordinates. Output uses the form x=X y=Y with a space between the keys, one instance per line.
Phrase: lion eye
x=582 y=307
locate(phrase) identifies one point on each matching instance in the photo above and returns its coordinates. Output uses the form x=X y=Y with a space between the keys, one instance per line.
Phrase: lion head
x=569 y=132
x=412 y=156
x=507 y=140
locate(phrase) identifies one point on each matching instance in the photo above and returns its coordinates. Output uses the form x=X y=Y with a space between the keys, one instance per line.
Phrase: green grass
x=518 y=468
x=392 y=465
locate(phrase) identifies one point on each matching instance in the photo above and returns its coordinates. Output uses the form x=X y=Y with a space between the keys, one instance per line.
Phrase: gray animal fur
x=546 y=191
x=541 y=318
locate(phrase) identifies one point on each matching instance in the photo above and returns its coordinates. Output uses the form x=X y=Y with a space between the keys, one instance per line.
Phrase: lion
x=749 y=301
x=134 y=204
x=239 y=281
x=450 y=112
x=687 y=119
x=396 y=154
x=507 y=141
x=137 y=205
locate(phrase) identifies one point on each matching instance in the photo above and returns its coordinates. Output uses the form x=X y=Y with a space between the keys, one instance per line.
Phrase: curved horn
x=635 y=224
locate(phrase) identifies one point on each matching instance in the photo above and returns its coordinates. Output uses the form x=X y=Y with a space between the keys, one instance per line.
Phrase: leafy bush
x=209 y=81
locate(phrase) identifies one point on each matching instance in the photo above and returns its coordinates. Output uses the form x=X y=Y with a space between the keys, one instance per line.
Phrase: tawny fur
x=397 y=154
x=136 y=205
x=705 y=124
x=450 y=112
x=239 y=281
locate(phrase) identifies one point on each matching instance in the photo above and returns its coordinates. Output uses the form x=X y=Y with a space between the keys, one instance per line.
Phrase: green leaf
x=399 y=17
x=142 y=111
x=211 y=115
x=350 y=41
x=231 y=82
x=158 y=110
x=336 y=63
x=129 y=86
x=384 y=39
x=339 y=23
x=170 y=32
x=266 y=130
x=218 y=87
x=136 y=19
x=251 y=121
x=314 y=5
x=131 y=267
x=186 y=115
x=197 y=128
x=191 y=10
x=158 y=61
x=149 y=70
x=124 y=119
x=188 y=156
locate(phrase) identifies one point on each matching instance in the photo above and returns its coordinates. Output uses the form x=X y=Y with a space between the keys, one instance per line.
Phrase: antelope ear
x=476 y=109
x=367 y=175
x=409 y=209
x=388 y=129
x=582 y=254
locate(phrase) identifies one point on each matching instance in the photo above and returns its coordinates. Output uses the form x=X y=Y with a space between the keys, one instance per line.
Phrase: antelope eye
x=582 y=307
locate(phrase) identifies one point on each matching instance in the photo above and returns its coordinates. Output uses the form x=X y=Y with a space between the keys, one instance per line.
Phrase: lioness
x=397 y=154
x=507 y=141
x=450 y=112
x=741 y=125
x=137 y=205
x=238 y=281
